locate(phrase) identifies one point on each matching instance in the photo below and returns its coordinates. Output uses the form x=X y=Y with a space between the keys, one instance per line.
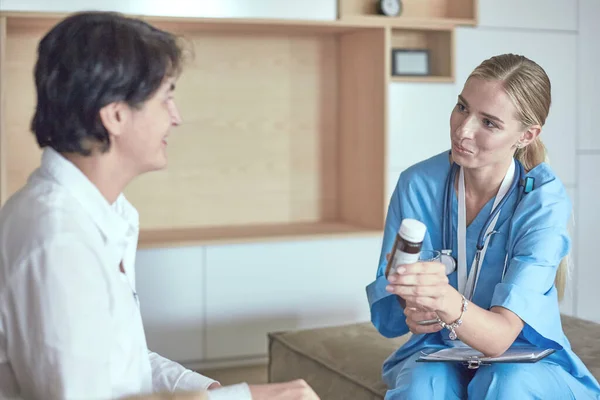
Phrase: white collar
x=116 y=221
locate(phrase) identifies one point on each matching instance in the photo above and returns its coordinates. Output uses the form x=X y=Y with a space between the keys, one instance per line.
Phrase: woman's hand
x=414 y=315
x=422 y=284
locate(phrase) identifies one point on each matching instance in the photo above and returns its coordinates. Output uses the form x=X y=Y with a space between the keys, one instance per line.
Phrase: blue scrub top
x=535 y=236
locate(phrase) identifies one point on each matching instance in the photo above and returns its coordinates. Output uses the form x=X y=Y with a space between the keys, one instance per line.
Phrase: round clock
x=391 y=8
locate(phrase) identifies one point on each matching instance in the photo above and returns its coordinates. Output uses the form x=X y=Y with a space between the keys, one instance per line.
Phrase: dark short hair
x=92 y=59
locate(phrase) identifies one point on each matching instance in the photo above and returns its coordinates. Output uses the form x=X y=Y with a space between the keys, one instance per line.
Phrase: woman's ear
x=114 y=118
x=529 y=135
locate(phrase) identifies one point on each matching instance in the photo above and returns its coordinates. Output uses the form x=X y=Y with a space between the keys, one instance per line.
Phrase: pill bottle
x=407 y=245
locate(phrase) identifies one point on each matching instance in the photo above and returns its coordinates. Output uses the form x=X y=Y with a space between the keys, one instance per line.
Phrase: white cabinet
x=556 y=53
x=171 y=288
x=529 y=14
x=259 y=288
x=588 y=234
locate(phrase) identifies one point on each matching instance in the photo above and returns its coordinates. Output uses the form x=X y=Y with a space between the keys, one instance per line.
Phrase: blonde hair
x=528 y=86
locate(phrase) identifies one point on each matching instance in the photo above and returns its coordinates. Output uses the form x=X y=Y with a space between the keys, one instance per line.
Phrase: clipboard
x=473 y=359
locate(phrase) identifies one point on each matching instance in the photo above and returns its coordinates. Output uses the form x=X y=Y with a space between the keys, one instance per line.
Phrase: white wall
x=587 y=277
x=539 y=15
x=305 y=9
x=216 y=303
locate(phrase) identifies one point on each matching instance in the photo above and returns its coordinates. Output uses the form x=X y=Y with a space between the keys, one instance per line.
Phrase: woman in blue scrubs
x=514 y=299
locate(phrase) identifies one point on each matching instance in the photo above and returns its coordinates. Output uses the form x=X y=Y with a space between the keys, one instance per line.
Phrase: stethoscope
x=446 y=256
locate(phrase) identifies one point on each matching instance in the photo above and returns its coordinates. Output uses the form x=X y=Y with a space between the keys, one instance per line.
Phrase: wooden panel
x=422 y=79
x=45 y=21
x=37 y=22
x=3 y=191
x=417 y=9
x=252 y=290
x=24 y=154
x=363 y=92
x=440 y=45
x=257 y=145
x=189 y=25
x=251 y=233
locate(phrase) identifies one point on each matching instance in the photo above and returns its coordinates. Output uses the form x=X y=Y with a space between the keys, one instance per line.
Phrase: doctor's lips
x=459 y=149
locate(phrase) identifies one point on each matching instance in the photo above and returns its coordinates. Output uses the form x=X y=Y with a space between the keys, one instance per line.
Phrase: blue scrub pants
x=440 y=380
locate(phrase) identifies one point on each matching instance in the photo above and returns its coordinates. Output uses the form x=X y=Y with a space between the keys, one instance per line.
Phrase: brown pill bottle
x=407 y=246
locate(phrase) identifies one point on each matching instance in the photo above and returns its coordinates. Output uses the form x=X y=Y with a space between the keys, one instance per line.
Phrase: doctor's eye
x=460 y=107
x=488 y=124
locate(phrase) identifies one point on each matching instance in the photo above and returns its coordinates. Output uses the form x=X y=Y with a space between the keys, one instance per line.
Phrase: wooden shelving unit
x=439 y=43
x=422 y=24
x=414 y=12
x=283 y=133
x=285 y=122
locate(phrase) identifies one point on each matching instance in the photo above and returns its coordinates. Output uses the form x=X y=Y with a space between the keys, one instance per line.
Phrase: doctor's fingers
x=419 y=315
x=429 y=303
x=422 y=268
x=412 y=306
x=418 y=279
x=417 y=329
x=408 y=292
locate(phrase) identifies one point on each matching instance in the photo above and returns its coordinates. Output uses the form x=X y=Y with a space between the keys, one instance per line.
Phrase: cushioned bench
x=344 y=362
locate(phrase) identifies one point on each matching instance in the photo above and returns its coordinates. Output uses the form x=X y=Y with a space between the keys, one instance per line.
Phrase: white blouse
x=70 y=324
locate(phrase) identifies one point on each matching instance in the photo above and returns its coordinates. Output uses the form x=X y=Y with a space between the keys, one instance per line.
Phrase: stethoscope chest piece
x=448 y=261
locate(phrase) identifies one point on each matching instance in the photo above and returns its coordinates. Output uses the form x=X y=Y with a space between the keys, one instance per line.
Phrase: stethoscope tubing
x=447 y=222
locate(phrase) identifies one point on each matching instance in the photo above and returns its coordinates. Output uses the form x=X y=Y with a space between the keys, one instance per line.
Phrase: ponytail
x=532 y=155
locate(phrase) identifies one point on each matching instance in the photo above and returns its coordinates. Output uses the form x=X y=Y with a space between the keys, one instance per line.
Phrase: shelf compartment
x=414 y=12
x=440 y=45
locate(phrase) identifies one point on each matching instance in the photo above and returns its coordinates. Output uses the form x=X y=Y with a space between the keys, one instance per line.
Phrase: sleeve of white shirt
x=59 y=326
x=235 y=392
x=170 y=376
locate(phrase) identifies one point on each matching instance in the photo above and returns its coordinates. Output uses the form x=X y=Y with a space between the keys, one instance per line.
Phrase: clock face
x=390 y=7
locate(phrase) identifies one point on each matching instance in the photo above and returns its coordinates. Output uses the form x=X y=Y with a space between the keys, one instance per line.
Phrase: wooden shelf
x=251 y=233
x=283 y=134
x=422 y=79
x=440 y=45
x=414 y=12
x=406 y=22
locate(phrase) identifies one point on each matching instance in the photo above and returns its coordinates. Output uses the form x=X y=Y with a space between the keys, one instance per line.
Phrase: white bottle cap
x=412 y=230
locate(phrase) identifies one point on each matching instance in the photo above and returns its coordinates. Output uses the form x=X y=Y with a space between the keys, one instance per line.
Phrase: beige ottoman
x=344 y=362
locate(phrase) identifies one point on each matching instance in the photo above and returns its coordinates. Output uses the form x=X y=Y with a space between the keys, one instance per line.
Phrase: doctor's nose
x=467 y=128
